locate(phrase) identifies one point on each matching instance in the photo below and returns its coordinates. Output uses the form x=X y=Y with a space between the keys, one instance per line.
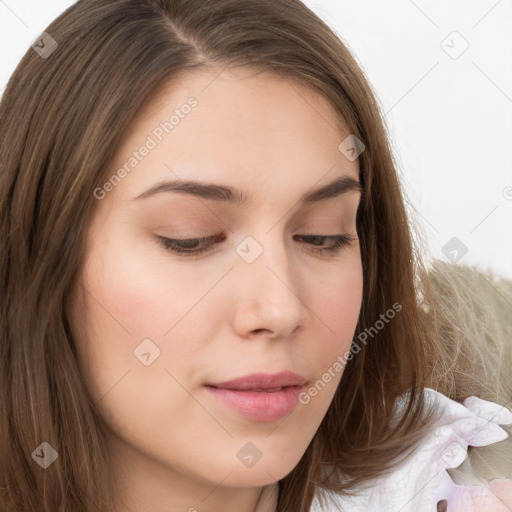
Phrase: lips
x=259 y=397
x=262 y=382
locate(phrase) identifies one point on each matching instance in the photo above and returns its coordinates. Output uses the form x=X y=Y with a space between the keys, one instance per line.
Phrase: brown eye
x=191 y=246
x=337 y=242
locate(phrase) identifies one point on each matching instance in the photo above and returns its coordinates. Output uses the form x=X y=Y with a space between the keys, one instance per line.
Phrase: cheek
x=133 y=311
x=128 y=302
x=335 y=305
x=136 y=287
x=336 y=302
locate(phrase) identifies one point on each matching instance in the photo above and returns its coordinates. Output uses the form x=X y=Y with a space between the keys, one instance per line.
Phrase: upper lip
x=262 y=381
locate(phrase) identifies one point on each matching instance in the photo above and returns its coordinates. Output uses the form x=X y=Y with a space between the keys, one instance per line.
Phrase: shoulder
x=423 y=479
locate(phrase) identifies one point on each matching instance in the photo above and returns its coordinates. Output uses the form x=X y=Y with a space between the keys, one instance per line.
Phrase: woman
x=210 y=296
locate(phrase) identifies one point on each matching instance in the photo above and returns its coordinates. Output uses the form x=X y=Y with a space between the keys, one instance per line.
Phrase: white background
x=449 y=119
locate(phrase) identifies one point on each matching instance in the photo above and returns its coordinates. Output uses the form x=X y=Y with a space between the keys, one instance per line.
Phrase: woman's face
x=261 y=299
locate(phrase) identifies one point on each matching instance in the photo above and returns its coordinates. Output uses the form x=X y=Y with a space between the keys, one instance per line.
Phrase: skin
x=495 y=496
x=215 y=317
x=502 y=490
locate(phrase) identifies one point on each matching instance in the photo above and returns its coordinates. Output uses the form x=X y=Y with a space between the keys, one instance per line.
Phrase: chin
x=266 y=471
x=256 y=478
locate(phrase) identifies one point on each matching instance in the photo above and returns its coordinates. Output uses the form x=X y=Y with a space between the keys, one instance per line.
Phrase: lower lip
x=259 y=405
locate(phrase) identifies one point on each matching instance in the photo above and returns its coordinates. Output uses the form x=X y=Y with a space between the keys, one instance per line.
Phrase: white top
x=421 y=481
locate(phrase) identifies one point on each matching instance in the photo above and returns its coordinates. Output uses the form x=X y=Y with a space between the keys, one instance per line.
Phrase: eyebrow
x=224 y=193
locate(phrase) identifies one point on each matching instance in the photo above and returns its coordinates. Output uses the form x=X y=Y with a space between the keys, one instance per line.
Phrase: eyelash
x=170 y=244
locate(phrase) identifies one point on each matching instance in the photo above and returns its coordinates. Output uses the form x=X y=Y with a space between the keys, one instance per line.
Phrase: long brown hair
x=62 y=116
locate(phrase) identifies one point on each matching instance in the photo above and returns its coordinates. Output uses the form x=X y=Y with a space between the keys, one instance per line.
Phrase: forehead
x=236 y=127
x=265 y=94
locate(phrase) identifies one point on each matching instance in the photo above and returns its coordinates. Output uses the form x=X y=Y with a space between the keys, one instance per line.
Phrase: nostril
x=258 y=331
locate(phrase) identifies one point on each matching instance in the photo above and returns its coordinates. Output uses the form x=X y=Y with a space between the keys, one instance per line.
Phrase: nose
x=269 y=291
